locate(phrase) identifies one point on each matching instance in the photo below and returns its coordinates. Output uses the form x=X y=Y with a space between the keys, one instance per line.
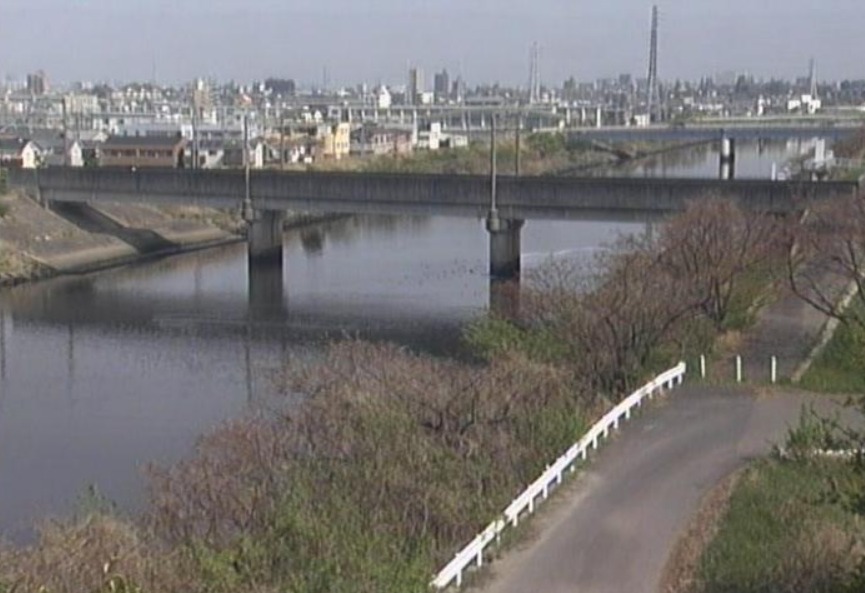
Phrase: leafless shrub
x=92 y=555
x=407 y=447
x=228 y=488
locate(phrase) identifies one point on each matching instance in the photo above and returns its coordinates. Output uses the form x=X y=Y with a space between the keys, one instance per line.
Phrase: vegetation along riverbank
x=795 y=521
x=394 y=460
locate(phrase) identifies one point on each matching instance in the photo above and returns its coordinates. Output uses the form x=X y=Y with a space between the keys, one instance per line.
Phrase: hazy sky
x=374 y=40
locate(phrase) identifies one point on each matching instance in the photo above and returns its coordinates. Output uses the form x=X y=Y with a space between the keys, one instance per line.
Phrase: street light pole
x=518 y=157
x=493 y=172
x=248 y=214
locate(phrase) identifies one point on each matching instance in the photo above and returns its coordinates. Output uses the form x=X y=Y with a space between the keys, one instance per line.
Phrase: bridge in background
x=784 y=130
x=505 y=202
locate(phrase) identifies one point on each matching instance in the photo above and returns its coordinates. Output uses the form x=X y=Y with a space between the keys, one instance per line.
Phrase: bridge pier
x=505 y=246
x=264 y=235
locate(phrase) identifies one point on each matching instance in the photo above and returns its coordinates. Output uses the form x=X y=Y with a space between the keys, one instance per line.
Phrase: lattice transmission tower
x=653 y=98
x=535 y=74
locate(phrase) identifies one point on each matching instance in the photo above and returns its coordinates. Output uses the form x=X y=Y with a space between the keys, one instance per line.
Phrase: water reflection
x=754 y=160
x=101 y=374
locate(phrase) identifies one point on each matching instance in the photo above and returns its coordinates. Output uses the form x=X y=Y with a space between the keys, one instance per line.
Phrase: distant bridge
x=737 y=130
x=516 y=198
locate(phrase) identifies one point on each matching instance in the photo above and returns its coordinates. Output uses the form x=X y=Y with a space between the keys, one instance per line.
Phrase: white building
x=383 y=98
x=18 y=152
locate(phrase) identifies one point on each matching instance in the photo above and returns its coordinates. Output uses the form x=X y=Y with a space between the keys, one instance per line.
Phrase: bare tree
x=826 y=260
x=712 y=248
x=614 y=319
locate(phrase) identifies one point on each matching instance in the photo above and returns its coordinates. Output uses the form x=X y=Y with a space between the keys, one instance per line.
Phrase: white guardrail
x=473 y=554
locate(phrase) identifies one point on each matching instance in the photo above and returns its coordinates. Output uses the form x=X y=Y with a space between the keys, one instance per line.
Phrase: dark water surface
x=102 y=374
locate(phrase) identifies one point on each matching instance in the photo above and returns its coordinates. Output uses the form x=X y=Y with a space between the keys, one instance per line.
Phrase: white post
x=702 y=366
x=738 y=369
x=774 y=369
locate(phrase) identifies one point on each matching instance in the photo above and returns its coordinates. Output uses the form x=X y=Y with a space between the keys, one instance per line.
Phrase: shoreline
x=94 y=259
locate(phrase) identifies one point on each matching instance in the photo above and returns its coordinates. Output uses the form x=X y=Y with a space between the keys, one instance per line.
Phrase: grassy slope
x=790 y=526
x=840 y=368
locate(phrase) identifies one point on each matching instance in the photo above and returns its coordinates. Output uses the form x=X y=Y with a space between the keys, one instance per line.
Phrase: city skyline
x=115 y=41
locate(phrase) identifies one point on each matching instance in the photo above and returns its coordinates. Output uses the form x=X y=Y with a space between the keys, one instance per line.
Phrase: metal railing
x=473 y=554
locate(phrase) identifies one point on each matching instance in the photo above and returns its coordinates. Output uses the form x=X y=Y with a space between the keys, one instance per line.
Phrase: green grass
x=840 y=368
x=786 y=523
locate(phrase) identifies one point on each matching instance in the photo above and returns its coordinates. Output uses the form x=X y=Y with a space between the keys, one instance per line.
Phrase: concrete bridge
x=505 y=203
x=783 y=130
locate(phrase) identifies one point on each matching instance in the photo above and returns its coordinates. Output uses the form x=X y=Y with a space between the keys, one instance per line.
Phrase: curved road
x=614 y=531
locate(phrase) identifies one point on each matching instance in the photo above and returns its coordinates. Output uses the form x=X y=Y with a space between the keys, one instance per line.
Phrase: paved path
x=613 y=532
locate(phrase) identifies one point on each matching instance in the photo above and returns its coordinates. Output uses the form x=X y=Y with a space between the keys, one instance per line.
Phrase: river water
x=102 y=374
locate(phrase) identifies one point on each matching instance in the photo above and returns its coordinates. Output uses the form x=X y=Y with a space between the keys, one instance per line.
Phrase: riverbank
x=38 y=243
x=418 y=451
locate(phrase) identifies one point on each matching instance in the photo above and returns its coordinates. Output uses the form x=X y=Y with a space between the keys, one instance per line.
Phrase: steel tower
x=535 y=74
x=653 y=98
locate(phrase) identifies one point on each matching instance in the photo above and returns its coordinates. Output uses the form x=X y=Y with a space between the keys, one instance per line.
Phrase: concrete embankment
x=36 y=243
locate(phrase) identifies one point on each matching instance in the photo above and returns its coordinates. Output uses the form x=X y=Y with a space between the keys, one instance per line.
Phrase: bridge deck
x=447 y=195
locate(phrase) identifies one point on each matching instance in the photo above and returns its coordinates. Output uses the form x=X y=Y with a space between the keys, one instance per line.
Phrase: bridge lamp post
x=504 y=233
x=493 y=171
x=248 y=211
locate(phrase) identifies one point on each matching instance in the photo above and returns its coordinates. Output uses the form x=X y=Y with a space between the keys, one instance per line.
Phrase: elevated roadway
x=268 y=194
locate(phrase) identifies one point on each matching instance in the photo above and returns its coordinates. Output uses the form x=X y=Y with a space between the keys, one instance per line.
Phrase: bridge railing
x=473 y=554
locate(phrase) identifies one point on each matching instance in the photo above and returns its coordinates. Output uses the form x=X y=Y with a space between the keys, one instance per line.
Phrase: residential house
x=19 y=152
x=454 y=141
x=291 y=151
x=430 y=137
x=211 y=154
x=378 y=140
x=59 y=152
x=143 y=151
x=233 y=156
x=336 y=142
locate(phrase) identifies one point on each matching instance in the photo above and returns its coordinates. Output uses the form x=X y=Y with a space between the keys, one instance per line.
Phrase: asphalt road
x=613 y=530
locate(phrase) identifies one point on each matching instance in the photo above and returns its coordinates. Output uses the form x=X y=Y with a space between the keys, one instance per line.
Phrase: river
x=102 y=374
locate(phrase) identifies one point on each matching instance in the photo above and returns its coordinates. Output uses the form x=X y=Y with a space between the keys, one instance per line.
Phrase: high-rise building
x=415 y=87
x=441 y=86
x=37 y=83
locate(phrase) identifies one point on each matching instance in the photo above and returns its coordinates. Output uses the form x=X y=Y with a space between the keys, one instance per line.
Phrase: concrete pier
x=264 y=235
x=505 y=246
